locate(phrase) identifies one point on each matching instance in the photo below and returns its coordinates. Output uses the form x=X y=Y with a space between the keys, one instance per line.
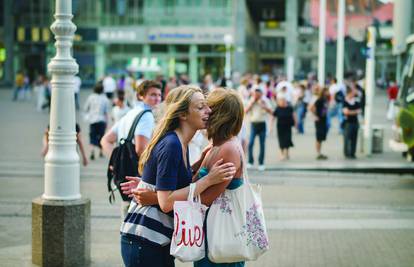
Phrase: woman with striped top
x=147 y=230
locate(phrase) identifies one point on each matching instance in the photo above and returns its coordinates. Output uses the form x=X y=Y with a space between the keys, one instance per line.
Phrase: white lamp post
x=340 y=42
x=228 y=41
x=322 y=34
x=369 y=90
x=61 y=218
x=62 y=160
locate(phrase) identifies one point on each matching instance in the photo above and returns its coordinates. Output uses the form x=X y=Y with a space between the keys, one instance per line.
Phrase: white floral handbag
x=236 y=229
x=188 y=240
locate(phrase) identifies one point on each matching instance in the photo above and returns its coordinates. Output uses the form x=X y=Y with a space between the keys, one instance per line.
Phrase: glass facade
x=182 y=35
x=153 y=12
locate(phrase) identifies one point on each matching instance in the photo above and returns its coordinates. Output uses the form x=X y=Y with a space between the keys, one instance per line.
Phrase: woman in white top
x=96 y=109
x=120 y=106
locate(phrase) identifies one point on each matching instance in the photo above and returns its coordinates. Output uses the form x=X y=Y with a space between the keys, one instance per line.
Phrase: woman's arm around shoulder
x=230 y=153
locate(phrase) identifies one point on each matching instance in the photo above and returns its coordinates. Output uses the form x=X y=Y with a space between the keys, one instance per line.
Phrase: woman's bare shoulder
x=229 y=152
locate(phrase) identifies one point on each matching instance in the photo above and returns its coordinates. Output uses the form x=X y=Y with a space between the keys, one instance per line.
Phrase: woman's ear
x=183 y=117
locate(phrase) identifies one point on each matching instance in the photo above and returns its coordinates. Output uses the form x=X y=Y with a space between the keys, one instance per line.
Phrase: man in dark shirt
x=351 y=110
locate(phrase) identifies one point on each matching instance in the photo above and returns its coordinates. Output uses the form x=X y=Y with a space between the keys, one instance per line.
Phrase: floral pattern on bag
x=256 y=235
x=224 y=203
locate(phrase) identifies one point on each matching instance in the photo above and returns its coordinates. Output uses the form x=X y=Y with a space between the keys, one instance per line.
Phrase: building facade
x=168 y=37
x=151 y=36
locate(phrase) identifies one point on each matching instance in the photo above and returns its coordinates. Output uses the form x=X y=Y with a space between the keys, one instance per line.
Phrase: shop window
x=205 y=48
x=182 y=48
x=272 y=45
x=159 y=48
x=169 y=6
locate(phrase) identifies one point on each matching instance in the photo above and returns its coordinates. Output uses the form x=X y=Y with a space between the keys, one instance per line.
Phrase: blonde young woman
x=147 y=230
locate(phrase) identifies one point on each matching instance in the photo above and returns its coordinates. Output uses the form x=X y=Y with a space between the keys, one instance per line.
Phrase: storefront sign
x=121 y=35
x=187 y=35
x=163 y=35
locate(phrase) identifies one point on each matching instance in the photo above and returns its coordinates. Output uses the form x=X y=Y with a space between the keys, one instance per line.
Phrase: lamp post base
x=61 y=232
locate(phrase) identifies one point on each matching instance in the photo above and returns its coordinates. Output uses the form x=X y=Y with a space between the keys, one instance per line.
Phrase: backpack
x=123 y=162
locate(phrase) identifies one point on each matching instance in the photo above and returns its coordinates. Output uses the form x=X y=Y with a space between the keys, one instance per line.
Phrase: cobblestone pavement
x=317 y=218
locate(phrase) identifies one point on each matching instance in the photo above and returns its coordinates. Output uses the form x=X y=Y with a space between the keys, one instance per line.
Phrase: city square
x=333 y=211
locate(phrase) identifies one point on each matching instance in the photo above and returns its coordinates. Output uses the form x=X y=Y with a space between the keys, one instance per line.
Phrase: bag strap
x=134 y=125
x=191 y=197
x=244 y=165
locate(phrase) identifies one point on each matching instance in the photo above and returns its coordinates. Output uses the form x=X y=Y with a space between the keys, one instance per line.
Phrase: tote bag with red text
x=187 y=243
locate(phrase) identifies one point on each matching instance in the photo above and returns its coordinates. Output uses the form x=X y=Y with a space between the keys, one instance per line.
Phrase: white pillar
x=171 y=62
x=62 y=160
x=100 y=63
x=402 y=22
x=369 y=90
x=228 y=40
x=322 y=37
x=291 y=40
x=290 y=69
x=193 y=64
x=340 y=42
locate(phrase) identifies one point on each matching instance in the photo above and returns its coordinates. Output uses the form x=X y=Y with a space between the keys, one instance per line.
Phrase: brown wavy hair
x=144 y=87
x=227 y=113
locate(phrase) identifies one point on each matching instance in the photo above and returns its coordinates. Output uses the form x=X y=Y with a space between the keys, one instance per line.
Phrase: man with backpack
x=123 y=161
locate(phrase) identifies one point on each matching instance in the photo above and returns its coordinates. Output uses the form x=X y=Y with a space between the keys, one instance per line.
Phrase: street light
x=322 y=35
x=228 y=41
x=340 y=43
x=61 y=217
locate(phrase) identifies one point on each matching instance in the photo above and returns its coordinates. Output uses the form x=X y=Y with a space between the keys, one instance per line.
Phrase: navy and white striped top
x=164 y=171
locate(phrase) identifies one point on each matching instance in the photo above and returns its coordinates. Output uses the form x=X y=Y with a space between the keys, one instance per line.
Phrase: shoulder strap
x=134 y=124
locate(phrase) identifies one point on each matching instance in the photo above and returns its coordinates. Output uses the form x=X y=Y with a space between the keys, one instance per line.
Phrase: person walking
x=301 y=108
x=109 y=86
x=27 y=88
x=149 y=92
x=287 y=88
x=121 y=83
x=244 y=91
x=79 y=142
x=40 y=89
x=337 y=94
x=78 y=84
x=258 y=108
x=285 y=121
x=320 y=109
x=351 y=111
x=147 y=229
x=130 y=94
x=47 y=93
x=18 y=85
x=392 y=93
x=97 y=108
x=120 y=108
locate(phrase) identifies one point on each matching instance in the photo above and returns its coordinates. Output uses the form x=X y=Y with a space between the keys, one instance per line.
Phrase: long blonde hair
x=178 y=105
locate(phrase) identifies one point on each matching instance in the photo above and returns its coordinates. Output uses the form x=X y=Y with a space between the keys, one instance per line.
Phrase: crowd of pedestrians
x=191 y=131
x=273 y=105
x=273 y=98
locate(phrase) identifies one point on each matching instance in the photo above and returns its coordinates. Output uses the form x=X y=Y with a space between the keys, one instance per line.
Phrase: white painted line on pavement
x=343 y=224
